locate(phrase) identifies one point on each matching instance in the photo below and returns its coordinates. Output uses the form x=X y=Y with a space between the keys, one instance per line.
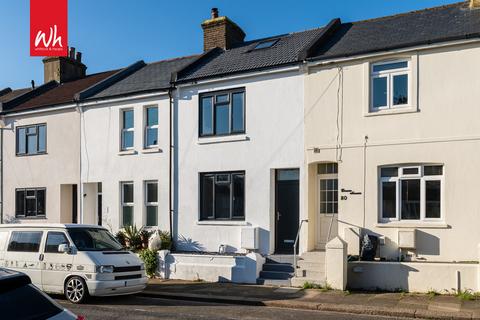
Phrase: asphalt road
x=137 y=307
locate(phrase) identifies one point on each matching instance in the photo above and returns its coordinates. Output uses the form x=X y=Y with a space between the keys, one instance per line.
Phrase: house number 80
x=343 y=197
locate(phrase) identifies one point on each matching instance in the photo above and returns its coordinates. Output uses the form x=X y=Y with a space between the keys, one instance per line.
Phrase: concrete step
x=274 y=282
x=313 y=274
x=279 y=258
x=278 y=275
x=283 y=267
x=299 y=281
x=311 y=265
x=313 y=256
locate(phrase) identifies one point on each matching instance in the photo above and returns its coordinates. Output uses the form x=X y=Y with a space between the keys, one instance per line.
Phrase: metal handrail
x=295 y=247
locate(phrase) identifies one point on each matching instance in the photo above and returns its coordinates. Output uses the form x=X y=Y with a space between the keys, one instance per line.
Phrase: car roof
x=49 y=225
x=10 y=280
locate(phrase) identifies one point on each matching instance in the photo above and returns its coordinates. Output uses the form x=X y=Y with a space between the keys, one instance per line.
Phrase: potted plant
x=145 y=237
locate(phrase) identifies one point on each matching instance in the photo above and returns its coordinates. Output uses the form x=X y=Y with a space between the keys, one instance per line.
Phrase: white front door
x=327 y=204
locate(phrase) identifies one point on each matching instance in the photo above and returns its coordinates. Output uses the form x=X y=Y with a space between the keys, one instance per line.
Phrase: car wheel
x=76 y=290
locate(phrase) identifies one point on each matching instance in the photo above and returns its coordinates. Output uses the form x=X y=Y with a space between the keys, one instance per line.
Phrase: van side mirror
x=64 y=248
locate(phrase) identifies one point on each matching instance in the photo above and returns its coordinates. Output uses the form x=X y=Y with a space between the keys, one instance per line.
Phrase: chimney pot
x=63 y=69
x=79 y=57
x=72 y=53
x=214 y=13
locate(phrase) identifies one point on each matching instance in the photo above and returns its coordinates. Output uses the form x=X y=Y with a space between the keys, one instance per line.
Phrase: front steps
x=311 y=268
x=277 y=271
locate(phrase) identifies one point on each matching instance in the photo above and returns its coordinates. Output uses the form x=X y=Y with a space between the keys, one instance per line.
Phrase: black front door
x=74 y=204
x=286 y=209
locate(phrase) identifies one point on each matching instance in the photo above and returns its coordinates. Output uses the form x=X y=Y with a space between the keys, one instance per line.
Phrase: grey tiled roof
x=13 y=94
x=153 y=76
x=432 y=25
x=243 y=59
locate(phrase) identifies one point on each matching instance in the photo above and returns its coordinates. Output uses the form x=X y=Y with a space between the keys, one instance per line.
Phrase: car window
x=25 y=241
x=93 y=239
x=54 y=239
x=13 y=304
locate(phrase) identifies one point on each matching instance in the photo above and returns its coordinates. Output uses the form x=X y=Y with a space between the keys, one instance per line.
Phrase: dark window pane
x=265 y=44
x=127 y=193
x=379 y=92
x=31 y=204
x=222 y=119
x=206 y=194
x=433 y=170
x=127 y=139
x=389 y=199
x=32 y=130
x=152 y=116
x=222 y=178
x=207 y=116
x=410 y=202
x=389 y=172
x=20 y=202
x=222 y=201
x=328 y=168
x=21 y=140
x=432 y=198
x=222 y=98
x=288 y=175
x=152 y=136
x=238 y=112
x=54 y=239
x=127 y=119
x=31 y=144
x=152 y=192
x=390 y=66
x=400 y=89
x=41 y=202
x=42 y=138
x=152 y=216
x=410 y=171
x=238 y=195
x=25 y=241
x=127 y=215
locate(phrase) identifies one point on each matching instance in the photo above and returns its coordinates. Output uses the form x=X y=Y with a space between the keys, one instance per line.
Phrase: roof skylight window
x=265 y=44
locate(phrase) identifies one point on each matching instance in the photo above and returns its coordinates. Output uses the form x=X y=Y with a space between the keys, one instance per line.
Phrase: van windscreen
x=92 y=239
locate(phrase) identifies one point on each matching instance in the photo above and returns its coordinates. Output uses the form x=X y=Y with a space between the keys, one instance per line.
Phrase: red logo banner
x=48 y=28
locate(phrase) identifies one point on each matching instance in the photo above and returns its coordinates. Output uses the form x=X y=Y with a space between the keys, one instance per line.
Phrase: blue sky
x=115 y=33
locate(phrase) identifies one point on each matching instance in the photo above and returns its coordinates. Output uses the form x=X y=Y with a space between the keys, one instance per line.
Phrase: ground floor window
x=412 y=192
x=151 y=203
x=222 y=196
x=127 y=203
x=30 y=203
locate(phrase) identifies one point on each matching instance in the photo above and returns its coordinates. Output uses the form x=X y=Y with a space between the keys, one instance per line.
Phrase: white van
x=71 y=259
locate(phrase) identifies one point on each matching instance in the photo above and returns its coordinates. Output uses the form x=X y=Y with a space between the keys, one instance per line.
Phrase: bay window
x=411 y=192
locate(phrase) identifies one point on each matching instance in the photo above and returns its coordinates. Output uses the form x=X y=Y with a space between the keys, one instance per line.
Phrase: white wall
x=60 y=165
x=102 y=160
x=273 y=140
x=444 y=129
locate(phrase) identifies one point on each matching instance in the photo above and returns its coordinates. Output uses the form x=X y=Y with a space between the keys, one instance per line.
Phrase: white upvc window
x=151 y=127
x=390 y=85
x=411 y=193
x=151 y=203
x=126 y=190
x=127 y=134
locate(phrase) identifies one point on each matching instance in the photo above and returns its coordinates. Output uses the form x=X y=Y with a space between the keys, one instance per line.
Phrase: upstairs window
x=389 y=83
x=31 y=140
x=127 y=129
x=151 y=127
x=411 y=192
x=222 y=113
x=30 y=203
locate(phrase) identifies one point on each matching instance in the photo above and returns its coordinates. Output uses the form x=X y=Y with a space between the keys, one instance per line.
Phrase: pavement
x=395 y=305
x=147 y=308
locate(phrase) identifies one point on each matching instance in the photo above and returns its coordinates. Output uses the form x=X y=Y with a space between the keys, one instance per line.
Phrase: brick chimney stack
x=62 y=69
x=221 y=32
x=474 y=4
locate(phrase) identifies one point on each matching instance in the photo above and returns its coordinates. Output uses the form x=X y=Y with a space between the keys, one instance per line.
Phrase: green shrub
x=466 y=295
x=120 y=236
x=166 y=240
x=149 y=258
x=132 y=238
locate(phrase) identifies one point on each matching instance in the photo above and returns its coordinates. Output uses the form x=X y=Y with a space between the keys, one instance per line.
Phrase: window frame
x=213 y=96
x=124 y=204
x=389 y=74
x=147 y=127
x=333 y=175
x=123 y=129
x=37 y=216
x=398 y=193
x=204 y=217
x=150 y=204
x=26 y=127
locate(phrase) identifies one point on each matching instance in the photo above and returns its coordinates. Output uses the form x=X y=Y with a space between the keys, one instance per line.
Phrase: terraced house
x=272 y=160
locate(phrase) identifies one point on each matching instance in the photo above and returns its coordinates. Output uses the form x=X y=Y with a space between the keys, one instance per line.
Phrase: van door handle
x=40 y=257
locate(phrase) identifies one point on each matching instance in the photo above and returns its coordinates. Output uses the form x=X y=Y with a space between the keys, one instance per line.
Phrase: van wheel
x=76 y=290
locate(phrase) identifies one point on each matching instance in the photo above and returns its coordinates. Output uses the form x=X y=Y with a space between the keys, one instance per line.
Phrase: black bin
x=369 y=247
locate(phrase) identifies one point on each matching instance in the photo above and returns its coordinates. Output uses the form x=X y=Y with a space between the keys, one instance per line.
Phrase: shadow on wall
x=377 y=276
x=427 y=244
x=187 y=244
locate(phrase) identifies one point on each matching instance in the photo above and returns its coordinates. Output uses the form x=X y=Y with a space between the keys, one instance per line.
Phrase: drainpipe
x=80 y=187
x=170 y=162
x=1 y=174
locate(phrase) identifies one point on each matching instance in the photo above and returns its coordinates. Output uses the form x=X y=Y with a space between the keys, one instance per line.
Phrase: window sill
x=222 y=223
x=31 y=155
x=398 y=110
x=127 y=152
x=31 y=218
x=152 y=150
x=416 y=225
x=232 y=138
